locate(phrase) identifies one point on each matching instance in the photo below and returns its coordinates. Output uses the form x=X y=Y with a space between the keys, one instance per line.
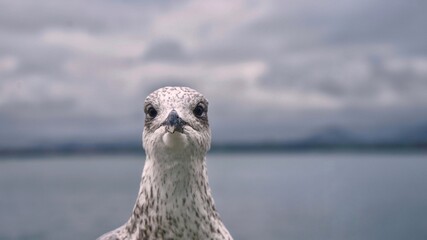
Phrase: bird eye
x=151 y=112
x=199 y=110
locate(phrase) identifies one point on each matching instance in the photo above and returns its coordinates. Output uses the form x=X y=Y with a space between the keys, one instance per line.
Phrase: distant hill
x=340 y=136
x=332 y=135
x=328 y=138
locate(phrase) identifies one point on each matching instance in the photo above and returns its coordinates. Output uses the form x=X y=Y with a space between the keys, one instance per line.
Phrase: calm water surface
x=259 y=196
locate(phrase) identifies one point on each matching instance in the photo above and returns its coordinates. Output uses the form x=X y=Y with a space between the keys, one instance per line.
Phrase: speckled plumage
x=174 y=199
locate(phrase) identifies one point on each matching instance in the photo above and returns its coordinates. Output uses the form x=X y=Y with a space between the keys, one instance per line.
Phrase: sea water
x=340 y=196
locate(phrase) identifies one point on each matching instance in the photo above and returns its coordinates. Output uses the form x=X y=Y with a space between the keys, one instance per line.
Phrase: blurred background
x=318 y=112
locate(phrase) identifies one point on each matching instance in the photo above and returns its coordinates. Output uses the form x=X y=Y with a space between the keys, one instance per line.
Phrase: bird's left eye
x=199 y=110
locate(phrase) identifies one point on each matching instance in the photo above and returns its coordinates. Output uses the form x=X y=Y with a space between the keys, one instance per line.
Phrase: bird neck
x=175 y=177
x=172 y=190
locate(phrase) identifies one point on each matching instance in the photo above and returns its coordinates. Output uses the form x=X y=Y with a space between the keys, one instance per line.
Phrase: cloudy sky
x=78 y=71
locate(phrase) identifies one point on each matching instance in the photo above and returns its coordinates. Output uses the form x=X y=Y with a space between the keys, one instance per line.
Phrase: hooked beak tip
x=174 y=123
x=170 y=129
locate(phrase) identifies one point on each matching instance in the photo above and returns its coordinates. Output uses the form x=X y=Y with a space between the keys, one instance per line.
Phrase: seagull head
x=176 y=118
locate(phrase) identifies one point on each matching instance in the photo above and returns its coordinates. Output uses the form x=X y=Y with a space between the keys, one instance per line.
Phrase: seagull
x=174 y=199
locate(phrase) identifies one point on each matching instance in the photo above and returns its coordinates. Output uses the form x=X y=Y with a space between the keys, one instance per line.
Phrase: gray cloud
x=397 y=23
x=81 y=70
x=166 y=50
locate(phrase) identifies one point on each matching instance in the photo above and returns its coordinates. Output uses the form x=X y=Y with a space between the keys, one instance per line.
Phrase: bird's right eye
x=151 y=112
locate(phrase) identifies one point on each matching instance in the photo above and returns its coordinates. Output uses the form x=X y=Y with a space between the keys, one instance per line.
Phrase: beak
x=174 y=123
